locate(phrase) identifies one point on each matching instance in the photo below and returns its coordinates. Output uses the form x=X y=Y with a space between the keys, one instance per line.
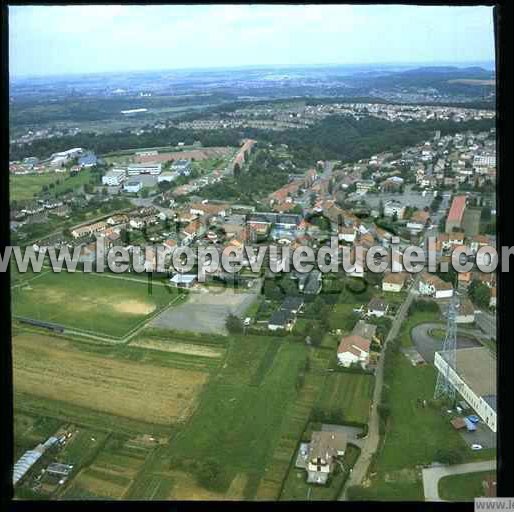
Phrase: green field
x=90 y=302
x=464 y=487
x=345 y=397
x=25 y=187
x=239 y=418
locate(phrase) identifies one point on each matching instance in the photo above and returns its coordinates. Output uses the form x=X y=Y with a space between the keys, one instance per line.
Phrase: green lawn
x=415 y=434
x=25 y=187
x=342 y=317
x=464 y=487
x=238 y=422
x=90 y=302
x=345 y=397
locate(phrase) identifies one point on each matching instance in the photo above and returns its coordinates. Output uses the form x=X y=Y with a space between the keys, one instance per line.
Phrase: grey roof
x=26 y=461
x=491 y=400
x=280 y=317
x=88 y=159
x=291 y=303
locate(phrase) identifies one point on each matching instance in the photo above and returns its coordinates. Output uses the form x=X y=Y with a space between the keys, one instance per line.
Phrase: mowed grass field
x=464 y=487
x=91 y=302
x=55 y=369
x=25 y=187
x=345 y=397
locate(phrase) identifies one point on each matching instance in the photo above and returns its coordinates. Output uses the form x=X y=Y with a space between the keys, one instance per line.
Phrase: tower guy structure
x=444 y=388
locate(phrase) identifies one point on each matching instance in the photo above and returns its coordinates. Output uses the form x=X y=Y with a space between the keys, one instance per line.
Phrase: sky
x=60 y=40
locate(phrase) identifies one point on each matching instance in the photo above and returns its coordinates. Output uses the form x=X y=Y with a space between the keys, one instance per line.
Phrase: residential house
x=323 y=450
x=281 y=319
x=353 y=350
x=377 y=307
x=347 y=234
x=418 y=221
x=393 y=282
x=433 y=286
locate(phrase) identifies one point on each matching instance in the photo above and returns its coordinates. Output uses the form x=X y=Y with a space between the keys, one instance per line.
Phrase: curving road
x=431 y=476
x=427 y=345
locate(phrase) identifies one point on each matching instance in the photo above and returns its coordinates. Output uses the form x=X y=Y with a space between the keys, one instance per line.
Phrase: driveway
x=432 y=475
x=350 y=432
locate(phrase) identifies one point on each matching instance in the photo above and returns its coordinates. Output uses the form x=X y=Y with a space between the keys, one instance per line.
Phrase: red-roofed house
x=353 y=349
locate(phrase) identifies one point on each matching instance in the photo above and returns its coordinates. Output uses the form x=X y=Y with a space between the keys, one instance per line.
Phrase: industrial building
x=474 y=378
x=183 y=167
x=30 y=457
x=456 y=214
x=114 y=177
x=136 y=169
x=133 y=186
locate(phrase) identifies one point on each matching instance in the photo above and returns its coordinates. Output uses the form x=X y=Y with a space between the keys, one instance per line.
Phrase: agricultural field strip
x=53 y=369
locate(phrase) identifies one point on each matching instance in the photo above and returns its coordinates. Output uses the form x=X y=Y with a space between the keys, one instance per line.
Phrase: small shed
x=458 y=423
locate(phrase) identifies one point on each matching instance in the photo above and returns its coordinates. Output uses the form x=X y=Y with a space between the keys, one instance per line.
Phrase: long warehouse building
x=474 y=378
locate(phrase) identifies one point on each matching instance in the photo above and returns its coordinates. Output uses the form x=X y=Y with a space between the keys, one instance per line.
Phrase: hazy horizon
x=47 y=41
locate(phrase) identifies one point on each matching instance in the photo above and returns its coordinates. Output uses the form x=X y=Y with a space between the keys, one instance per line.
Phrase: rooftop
x=477 y=368
x=457 y=209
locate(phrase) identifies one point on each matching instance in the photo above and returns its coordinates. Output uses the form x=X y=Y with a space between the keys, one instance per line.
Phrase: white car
x=476 y=447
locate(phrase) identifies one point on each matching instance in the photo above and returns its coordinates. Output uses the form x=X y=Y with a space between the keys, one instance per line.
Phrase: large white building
x=474 y=378
x=394 y=207
x=133 y=186
x=136 y=169
x=114 y=177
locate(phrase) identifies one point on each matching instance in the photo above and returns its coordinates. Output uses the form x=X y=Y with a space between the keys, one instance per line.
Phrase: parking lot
x=206 y=311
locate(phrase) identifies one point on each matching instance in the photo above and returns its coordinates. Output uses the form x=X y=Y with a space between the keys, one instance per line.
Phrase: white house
x=347 y=234
x=323 y=449
x=353 y=349
x=377 y=307
x=393 y=282
x=433 y=286
x=183 y=280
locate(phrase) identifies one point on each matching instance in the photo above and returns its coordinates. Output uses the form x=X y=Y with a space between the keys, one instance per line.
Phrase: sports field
x=25 y=187
x=90 y=302
x=51 y=368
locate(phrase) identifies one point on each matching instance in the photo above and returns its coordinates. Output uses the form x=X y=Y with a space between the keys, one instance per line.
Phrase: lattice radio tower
x=443 y=387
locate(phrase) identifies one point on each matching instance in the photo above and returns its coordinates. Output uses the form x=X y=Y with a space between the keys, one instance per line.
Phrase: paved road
x=427 y=345
x=370 y=444
x=431 y=476
x=487 y=323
